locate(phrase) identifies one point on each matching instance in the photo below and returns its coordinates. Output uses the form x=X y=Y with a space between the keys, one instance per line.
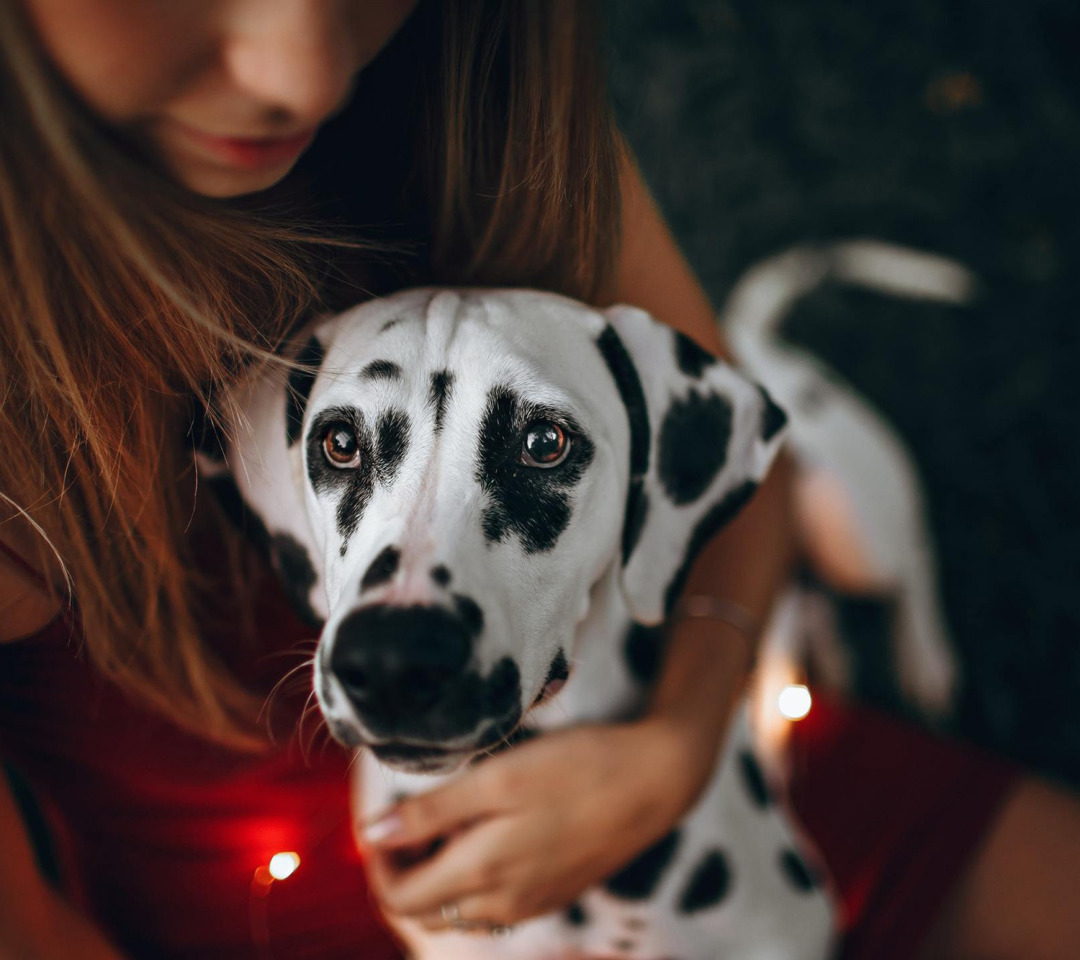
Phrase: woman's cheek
x=125 y=59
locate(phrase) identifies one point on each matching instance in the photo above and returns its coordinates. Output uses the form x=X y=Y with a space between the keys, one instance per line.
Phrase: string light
x=283 y=865
x=794 y=701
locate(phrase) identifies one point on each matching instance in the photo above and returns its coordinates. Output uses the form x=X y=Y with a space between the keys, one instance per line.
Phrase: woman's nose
x=296 y=57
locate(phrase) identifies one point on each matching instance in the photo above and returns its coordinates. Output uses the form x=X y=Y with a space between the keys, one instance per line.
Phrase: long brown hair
x=122 y=298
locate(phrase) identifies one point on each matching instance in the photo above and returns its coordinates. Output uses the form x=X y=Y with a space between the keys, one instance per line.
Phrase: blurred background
x=952 y=128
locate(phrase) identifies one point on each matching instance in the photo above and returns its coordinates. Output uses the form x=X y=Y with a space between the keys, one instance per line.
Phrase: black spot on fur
x=237 y=512
x=691 y=358
x=393 y=441
x=468 y=610
x=639 y=878
x=530 y=503
x=708 y=884
x=773 y=418
x=390 y=324
x=288 y=557
x=796 y=872
x=644 y=651
x=297 y=575
x=559 y=669
x=298 y=389
x=637 y=511
x=707 y=527
x=441 y=575
x=503 y=693
x=442 y=384
x=381 y=370
x=633 y=396
x=753 y=779
x=353 y=487
x=382 y=568
x=575 y=915
x=629 y=386
x=694 y=439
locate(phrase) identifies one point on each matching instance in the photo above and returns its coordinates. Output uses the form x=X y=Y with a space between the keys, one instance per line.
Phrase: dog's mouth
x=429 y=757
x=420 y=758
x=408 y=752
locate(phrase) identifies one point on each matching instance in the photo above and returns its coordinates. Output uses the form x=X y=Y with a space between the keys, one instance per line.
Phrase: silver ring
x=450 y=913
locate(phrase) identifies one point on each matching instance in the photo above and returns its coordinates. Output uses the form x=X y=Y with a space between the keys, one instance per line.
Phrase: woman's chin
x=223 y=182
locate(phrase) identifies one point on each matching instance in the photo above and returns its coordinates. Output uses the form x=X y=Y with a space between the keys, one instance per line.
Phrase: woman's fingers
x=469 y=864
x=419 y=820
x=481 y=913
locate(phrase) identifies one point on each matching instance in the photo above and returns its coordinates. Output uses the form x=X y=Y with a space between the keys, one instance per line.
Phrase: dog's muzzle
x=409 y=674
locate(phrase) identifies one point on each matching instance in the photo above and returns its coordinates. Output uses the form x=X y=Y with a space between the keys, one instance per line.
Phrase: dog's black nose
x=399 y=665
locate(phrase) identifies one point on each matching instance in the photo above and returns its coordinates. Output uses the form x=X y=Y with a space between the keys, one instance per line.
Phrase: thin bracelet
x=701 y=606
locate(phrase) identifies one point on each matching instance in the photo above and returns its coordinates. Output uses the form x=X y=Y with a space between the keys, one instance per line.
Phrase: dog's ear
x=702 y=437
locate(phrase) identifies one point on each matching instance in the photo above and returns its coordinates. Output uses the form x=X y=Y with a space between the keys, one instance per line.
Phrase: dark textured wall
x=949 y=126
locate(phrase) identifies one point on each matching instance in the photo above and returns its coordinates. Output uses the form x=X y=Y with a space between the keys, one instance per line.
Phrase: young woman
x=476 y=147
x=179 y=185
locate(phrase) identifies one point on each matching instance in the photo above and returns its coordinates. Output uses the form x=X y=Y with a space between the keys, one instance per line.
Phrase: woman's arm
x=532 y=828
x=35 y=920
x=36 y=923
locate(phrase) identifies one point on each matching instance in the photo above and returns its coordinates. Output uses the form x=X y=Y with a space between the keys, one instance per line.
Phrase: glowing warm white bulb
x=794 y=701
x=282 y=865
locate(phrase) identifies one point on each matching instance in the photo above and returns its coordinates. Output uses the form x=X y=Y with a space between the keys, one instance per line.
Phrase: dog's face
x=467 y=461
x=465 y=473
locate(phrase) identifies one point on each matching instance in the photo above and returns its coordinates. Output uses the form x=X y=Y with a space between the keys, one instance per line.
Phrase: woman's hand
x=527 y=831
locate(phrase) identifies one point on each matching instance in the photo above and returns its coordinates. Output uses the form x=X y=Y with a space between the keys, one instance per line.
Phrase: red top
x=897 y=815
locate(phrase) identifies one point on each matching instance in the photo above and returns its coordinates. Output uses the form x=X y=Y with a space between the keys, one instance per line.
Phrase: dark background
x=953 y=127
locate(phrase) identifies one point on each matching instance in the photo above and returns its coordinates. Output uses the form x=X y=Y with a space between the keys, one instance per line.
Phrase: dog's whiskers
x=280 y=687
x=354 y=762
x=305 y=748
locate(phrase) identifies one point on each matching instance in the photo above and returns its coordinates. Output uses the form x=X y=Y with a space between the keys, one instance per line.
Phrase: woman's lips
x=248 y=153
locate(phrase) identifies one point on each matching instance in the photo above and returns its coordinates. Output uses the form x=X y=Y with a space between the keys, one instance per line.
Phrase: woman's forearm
x=707 y=659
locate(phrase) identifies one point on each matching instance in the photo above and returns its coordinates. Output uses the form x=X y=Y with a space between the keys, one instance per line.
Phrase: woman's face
x=226 y=94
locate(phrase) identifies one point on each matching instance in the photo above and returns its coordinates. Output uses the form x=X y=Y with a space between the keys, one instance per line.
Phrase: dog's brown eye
x=341 y=446
x=545 y=444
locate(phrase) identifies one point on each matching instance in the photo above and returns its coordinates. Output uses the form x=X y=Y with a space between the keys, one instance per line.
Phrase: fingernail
x=383 y=828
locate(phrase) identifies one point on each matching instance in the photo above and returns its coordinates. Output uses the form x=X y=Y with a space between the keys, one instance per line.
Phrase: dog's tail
x=765 y=294
x=854 y=443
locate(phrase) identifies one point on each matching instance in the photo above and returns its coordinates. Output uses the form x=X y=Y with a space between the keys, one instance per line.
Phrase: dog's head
x=473 y=463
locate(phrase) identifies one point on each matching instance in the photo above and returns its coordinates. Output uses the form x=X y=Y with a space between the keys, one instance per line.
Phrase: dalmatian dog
x=858 y=479
x=490 y=500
